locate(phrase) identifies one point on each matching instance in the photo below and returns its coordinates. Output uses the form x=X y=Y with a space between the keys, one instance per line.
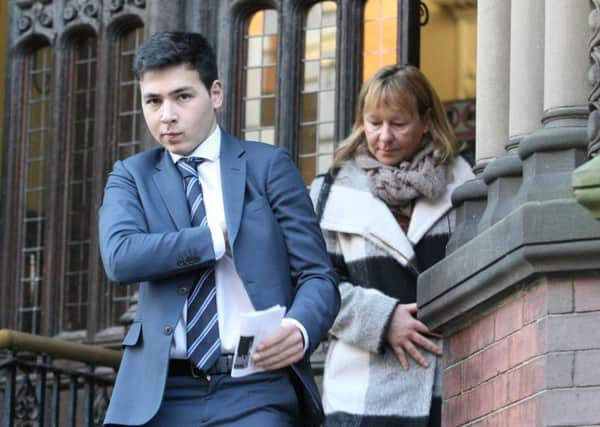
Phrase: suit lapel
x=233 y=182
x=168 y=180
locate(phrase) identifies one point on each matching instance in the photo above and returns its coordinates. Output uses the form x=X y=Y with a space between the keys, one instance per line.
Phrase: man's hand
x=283 y=348
x=406 y=334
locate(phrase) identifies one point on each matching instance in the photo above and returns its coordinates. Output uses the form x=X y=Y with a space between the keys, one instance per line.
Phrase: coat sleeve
x=316 y=301
x=130 y=251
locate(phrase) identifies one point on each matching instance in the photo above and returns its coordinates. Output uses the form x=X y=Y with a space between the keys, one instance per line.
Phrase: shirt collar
x=208 y=149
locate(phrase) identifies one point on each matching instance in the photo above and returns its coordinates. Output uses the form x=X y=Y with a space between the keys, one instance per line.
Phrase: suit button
x=167 y=330
x=183 y=290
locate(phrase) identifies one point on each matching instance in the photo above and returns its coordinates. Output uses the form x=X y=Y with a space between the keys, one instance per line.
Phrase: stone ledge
x=555 y=236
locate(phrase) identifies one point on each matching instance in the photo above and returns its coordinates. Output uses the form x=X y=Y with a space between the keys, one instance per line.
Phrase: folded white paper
x=255 y=327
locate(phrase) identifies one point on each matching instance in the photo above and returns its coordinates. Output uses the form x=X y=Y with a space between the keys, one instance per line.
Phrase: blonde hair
x=397 y=87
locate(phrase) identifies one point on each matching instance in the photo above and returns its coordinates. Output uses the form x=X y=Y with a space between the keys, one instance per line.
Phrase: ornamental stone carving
x=35 y=11
x=594 y=77
x=117 y=6
x=83 y=9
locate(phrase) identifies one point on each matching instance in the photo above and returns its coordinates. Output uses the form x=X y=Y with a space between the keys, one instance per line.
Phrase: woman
x=386 y=215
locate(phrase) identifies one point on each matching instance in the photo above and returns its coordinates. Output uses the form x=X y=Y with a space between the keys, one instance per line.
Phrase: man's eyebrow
x=175 y=92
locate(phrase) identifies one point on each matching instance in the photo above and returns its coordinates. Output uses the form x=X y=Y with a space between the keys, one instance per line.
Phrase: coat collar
x=233 y=182
x=167 y=179
x=357 y=211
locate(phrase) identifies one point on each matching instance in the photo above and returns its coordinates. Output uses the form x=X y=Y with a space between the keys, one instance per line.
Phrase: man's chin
x=179 y=148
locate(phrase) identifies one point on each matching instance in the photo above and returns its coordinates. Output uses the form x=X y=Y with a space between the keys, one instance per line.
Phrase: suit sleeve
x=130 y=252
x=316 y=301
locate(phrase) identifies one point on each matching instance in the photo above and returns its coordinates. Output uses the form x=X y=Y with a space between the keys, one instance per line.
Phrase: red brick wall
x=525 y=356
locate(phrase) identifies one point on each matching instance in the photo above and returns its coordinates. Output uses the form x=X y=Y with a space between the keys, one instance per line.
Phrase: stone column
x=493 y=50
x=526 y=69
x=566 y=86
x=551 y=154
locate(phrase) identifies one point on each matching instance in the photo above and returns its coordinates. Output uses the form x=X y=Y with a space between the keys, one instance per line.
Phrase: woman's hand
x=406 y=335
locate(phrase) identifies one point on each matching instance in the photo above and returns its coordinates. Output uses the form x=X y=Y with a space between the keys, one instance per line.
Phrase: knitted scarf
x=398 y=186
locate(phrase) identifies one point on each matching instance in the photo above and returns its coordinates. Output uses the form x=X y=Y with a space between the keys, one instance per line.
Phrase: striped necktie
x=203 y=343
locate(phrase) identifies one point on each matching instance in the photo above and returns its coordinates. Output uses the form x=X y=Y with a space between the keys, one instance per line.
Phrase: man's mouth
x=171 y=134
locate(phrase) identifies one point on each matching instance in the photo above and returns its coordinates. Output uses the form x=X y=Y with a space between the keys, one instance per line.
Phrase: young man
x=211 y=227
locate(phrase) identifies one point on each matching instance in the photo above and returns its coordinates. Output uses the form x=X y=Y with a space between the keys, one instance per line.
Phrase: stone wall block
x=559 y=369
x=587 y=368
x=571 y=407
x=587 y=293
x=579 y=331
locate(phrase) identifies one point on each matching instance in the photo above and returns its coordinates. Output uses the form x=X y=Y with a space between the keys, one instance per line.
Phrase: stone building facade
x=518 y=296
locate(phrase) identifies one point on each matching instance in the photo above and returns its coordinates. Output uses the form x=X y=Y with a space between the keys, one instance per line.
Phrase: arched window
x=379 y=35
x=80 y=162
x=317 y=100
x=127 y=142
x=260 y=77
x=35 y=143
x=129 y=119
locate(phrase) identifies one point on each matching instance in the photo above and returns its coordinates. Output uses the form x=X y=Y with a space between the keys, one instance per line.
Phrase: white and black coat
x=378 y=265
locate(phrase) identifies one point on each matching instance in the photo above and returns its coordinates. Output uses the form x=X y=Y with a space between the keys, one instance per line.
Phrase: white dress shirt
x=232 y=298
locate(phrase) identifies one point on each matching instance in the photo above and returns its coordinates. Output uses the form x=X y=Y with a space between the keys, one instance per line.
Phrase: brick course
x=506 y=367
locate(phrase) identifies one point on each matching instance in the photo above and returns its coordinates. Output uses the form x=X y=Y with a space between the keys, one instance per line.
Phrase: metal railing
x=50 y=382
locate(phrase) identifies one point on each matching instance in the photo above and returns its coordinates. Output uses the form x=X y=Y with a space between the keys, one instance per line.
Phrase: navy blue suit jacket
x=276 y=243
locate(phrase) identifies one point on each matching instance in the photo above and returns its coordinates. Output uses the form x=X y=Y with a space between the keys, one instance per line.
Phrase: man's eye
x=184 y=96
x=153 y=101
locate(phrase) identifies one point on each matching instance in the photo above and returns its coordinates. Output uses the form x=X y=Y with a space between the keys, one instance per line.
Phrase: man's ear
x=216 y=94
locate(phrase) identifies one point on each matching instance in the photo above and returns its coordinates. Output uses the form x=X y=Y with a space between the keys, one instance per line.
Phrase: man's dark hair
x=176 y=47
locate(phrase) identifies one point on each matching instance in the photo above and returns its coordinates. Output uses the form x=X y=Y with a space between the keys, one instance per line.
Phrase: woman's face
x=394 y=136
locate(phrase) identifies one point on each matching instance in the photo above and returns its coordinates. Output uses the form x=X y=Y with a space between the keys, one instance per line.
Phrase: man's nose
x=168 y=113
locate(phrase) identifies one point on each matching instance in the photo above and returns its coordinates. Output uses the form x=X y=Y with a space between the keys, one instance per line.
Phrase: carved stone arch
x=75 y=31
x=122 y=24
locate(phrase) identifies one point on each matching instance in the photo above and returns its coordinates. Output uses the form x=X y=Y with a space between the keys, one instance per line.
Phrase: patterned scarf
x=398 y=186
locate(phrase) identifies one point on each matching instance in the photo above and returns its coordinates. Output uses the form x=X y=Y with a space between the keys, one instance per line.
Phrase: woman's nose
x=385 y=133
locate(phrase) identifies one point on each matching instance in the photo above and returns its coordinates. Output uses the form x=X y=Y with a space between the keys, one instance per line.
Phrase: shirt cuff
x=289 y=320
x=218 y=240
